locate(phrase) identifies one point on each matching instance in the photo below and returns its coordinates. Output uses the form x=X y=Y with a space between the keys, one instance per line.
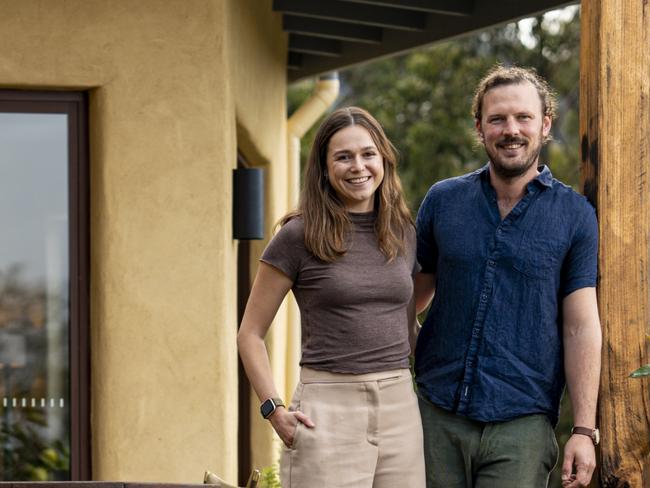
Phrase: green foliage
x=642 y=371
x=269 y=477
x=27 y=456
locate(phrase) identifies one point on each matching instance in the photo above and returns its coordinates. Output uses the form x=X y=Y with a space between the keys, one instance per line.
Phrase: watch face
x=267 y=408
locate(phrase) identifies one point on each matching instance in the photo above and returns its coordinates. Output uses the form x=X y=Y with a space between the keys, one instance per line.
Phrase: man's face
x=513 y=128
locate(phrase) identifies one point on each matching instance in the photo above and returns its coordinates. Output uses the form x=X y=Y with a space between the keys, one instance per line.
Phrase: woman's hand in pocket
x=285 y=424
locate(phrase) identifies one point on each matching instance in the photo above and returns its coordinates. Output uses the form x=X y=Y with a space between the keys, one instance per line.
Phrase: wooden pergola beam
x=448 y=7
x=615 y=133
x=314 y=45
x=341 y=11
x=329 y=29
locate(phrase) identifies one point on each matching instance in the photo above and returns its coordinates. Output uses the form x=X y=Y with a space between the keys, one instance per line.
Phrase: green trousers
x=463 y=453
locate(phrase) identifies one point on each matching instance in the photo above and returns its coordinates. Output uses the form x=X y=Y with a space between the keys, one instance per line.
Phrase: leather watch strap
x=594 y=434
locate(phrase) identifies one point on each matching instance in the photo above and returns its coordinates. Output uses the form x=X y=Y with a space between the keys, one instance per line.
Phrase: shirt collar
x=544 y=178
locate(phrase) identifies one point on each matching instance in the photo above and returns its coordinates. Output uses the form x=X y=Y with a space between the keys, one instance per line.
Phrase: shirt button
x=491 y=263
x=483 y=297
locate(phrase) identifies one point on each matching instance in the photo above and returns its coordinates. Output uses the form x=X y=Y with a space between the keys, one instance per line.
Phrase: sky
x=34 y=194
x=551 y=21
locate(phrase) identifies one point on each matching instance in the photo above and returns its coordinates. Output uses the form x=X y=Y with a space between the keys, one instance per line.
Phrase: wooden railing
x=93 y=484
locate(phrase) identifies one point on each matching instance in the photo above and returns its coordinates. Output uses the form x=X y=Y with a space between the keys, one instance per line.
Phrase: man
x=511 y=254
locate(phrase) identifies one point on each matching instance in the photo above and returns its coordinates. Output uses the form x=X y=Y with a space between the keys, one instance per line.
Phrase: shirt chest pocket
x=539 y=259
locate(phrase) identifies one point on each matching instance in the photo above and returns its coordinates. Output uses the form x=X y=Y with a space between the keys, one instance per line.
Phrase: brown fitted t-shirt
x=353 y=311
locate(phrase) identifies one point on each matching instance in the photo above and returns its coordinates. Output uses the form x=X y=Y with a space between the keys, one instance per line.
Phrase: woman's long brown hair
x=326 y=221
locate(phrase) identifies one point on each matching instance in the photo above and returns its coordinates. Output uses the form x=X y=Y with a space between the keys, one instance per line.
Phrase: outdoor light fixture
x=248 y=203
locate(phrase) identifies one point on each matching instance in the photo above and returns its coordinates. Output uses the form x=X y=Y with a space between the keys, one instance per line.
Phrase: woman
x=348 y=254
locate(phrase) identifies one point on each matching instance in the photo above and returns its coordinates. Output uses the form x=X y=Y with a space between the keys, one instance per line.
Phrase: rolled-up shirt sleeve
x=580 y=267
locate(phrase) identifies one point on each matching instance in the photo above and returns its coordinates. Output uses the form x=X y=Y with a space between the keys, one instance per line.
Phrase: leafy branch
x=643 y=370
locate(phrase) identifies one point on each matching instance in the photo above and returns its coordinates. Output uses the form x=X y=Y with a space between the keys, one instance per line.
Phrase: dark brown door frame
x=244 y=388
x=75 y=105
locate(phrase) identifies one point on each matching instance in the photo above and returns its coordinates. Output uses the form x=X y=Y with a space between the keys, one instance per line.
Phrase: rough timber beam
x=615 y=132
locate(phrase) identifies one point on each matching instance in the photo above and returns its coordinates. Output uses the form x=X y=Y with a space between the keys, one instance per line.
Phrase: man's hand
x=579 y=452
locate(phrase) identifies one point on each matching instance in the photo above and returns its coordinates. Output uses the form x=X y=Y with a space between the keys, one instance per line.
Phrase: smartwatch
x=268 y=406
x=594 y=434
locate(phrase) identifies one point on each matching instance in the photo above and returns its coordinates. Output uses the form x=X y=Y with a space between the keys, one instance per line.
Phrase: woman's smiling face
x=355 y=168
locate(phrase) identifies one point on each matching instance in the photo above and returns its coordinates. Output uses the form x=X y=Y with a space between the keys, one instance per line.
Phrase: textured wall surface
x=257 y=51
x=173 y=85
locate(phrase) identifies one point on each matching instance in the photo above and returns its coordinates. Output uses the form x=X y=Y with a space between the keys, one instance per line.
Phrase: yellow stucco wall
x=256 y=113
x=173 y=84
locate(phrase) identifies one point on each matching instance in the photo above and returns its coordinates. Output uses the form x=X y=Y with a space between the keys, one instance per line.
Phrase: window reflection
x=34 y=301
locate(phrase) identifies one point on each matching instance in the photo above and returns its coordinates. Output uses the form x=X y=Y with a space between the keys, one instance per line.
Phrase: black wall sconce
x=248 y=203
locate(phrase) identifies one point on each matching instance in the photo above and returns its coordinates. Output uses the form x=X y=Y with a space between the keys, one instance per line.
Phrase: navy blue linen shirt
x=491 y=346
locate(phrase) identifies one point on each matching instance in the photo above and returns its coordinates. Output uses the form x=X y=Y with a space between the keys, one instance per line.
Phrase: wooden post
x=615 y=134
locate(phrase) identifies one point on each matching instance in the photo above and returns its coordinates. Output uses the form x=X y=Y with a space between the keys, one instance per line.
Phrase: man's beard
x=511 y=171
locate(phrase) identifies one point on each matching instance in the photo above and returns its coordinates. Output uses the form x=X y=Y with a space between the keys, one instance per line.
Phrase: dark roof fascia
x=439 y=27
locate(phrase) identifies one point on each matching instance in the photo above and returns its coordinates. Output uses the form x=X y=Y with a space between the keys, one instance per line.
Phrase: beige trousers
x=368 y=432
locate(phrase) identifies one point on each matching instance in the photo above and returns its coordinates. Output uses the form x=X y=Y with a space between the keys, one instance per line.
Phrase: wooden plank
x=615 y=133
x=160 y=485
x=64 y=484
x=343 y=31
x=314 y=45
x=448 y=7
x=294 y=60
x=338 y=10
x=94 y=484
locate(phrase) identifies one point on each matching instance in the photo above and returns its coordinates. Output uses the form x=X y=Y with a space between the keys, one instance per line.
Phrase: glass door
x=43 y=287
